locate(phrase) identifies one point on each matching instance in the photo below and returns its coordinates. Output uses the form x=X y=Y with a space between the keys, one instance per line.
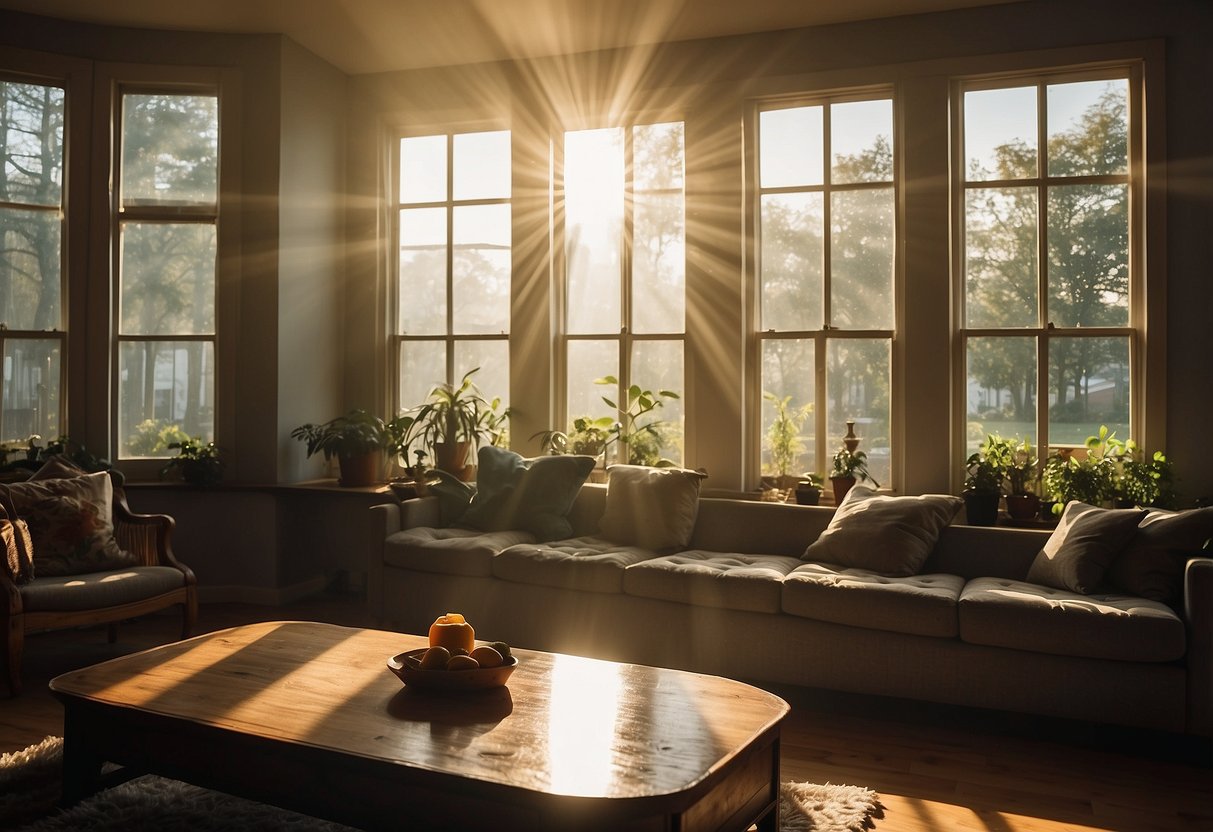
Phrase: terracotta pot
x=841 y=486
x=453 y=458
x=1023 y=506
x=360 y=469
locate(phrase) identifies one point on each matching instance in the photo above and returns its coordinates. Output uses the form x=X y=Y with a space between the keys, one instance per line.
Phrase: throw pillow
x=888 y=535
x=71 y=524
x=654 y=508
x=533 y=495
x=454 y=496
x=1082 y=547
x=1153 y=564
x=58 y=467
x=18 y=550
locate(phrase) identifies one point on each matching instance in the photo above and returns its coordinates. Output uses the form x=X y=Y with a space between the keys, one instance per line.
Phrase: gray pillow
x=654 y=508
x=1082 y=547
x=889 y=535
x=1153 y=564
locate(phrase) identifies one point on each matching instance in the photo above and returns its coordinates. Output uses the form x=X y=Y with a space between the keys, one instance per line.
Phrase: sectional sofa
x=741 y=599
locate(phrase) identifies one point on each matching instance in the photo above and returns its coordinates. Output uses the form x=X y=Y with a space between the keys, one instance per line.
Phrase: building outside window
x=1049 y=315
x=624 y=221
x=32 y=231
x=826 y=316
x=166 y=219
x=454 y=249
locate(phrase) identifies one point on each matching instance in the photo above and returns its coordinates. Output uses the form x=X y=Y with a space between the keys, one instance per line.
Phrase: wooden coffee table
x=307 y=716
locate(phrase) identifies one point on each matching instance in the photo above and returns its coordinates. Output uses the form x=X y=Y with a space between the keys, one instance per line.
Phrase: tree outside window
x=827 y=236
x=32 y=225
x=1047 y=327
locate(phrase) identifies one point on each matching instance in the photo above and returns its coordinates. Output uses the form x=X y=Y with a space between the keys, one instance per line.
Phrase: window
x=167 y=171
x=32 y=230
x=625 y=288
x=454 y=244
x=826 y=261
x=1048 y=329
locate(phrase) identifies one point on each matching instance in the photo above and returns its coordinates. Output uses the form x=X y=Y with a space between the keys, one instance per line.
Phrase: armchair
x=158 y=580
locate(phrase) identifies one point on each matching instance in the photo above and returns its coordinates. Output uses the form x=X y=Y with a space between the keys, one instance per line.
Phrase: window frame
x=821 y=338
x=1145 y=410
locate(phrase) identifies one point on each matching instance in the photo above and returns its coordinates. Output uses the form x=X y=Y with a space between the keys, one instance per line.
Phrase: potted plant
x=357 y=439
x=198 y=462
x=641 y=441
x=451 y=423
x=1136 y=480
x=588 y=436
x=985 y=470
x=783 y=440
x=849 y=467
x=808 y=490
x=1022 y=501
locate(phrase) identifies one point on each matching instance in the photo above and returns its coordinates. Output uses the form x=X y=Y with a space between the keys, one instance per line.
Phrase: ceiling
x=365 y=36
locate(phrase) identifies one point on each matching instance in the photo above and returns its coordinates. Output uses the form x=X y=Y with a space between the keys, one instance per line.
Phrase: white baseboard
x=270 y=596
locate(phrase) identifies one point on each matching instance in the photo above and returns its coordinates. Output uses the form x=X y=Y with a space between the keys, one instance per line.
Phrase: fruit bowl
x=407 y=666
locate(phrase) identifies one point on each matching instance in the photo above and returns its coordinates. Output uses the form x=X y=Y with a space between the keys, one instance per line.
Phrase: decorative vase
x=850 y=441
x=841 y=486
x=981 y=507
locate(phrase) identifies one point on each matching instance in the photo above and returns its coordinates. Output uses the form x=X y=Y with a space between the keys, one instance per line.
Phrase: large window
x=1048 y=234
x=167 y=173
x=453 y=287
x=32 y=224
x=625 y=259
x=826 y=262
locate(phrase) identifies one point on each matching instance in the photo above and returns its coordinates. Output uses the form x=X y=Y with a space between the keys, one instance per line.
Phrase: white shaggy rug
x=30 y=779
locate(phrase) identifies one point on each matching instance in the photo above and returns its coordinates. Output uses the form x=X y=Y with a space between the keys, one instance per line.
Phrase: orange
x=462 y=663
x=452 y=631
x=435 y=658
x=487 y=656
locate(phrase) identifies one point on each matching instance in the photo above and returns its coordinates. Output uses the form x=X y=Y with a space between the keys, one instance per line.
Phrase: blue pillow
x=533 y=495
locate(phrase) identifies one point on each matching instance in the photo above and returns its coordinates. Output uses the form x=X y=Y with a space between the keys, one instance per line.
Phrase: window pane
x=170 y=149
x=657 y=157
x=1000 y=134
x=657 y=366
x=168 y=279
x=793 y=226
x=1089 y=255
x=1088 y=128
x=481 y=262
x=30 y=271
x=422 y=368
x=593 y=182
x=1000 y=257
x=861 y=141
x=493 y=359
x=788 y=374
x=422 y=271
x=589 y=360
x=659 y=264
x=1088 y=387
x=31 y=389
x=162 y=385
x=790 y=148
x=857 y=388
x=861 y=251
x=1000 y=389
x=423 y=169
x=31 y=135
x=482 y=165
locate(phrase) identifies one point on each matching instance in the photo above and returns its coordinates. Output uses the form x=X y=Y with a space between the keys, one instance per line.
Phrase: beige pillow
x=1153 y=564
x=71 y=524
x=1082 y=547
x=654 y=508
x=889 y=535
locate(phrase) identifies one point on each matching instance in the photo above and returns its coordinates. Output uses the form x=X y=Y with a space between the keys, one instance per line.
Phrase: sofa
x=743 y=597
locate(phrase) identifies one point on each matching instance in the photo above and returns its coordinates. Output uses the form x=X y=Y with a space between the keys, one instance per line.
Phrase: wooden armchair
x=158 y=581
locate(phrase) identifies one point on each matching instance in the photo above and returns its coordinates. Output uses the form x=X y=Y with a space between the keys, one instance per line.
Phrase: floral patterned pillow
x=71 y=524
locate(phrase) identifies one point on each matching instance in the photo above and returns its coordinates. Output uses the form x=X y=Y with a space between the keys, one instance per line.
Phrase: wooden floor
x=935 y=768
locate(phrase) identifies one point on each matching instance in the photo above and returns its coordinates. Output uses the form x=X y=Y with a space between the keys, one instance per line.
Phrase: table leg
x=81 y=761
x=770 y=821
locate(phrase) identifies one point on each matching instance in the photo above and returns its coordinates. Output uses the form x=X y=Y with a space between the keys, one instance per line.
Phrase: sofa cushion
x=71 y=524
x=1025 y=616
x=712 y=579
x=650 y=507
x=1153 y=564
x=889 y=535
x=449 y=551
x=535 y=495
x=922 y=605
x=1082 y=547
x=592 y=564
x=95 y=590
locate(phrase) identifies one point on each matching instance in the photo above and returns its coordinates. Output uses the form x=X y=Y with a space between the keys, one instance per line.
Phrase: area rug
x=30 y=781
